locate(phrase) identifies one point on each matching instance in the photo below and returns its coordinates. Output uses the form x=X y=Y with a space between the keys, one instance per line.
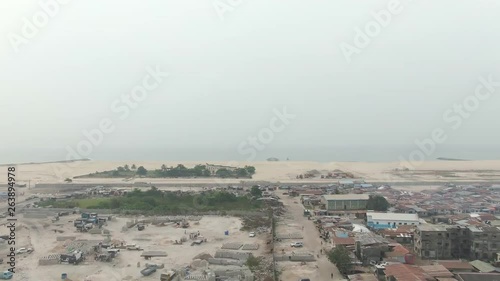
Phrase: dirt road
x=311 y=240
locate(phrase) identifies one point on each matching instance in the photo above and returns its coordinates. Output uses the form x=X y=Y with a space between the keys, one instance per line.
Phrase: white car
x=296 y=244
x=251 y=234
x=24 y=250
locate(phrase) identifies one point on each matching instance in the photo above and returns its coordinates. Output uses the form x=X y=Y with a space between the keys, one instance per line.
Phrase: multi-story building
x=456 y=242
x=460 y=241
x=432 y=241
x=485 y=242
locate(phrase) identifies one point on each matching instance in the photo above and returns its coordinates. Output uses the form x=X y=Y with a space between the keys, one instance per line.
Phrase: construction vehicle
x=103 y=257
x=113 y=252
x=84 y=227
x=183 y=224
x=168 y=276
x=133 y=247
x=6 y=275
x=77 y=222
x=307 y=212
x=74 y=258
x=148 y=271
x=90 y=217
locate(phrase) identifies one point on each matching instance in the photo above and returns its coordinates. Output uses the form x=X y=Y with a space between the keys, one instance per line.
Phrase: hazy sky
x=227 y=77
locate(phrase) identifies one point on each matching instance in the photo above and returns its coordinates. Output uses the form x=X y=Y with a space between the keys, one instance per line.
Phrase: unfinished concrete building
x=456 y=242
x=485 y=242
x=460 y=241
x=432 y=241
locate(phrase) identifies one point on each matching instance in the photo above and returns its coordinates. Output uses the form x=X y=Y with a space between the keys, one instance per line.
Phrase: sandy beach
x=284 y=172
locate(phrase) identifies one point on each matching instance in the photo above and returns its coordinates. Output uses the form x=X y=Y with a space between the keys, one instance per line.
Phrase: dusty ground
x=295 y=222
x=285 y=171
x=40 y=235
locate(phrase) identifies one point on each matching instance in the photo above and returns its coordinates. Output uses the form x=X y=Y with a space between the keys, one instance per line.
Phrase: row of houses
x=389 y=252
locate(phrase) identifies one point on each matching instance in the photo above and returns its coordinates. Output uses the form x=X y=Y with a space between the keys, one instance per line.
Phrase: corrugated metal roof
x=432 y=227
x=346 y=197
x=392 y=216
x=483 y=266
x=362 y=277
x=404 y=272
x=456 y=264
x=436 y=270
x=343 y=241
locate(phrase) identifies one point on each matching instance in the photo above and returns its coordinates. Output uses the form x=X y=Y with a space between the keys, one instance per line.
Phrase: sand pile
x=203 y=256
x=199 y=263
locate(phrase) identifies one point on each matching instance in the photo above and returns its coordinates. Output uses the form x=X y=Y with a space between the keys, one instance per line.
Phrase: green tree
x=223 y=173
x=120 y=169
x=250 y=170
x=126 y=167
x=377 y=203
x=241 y=173
x=68 y=180
x=133 y=167
x=253 y=263
x=255 y=191
x=141 y=171
x=340 y=257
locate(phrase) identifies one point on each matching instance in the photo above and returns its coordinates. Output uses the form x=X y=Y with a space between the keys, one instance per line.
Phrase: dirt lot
x=39 y=234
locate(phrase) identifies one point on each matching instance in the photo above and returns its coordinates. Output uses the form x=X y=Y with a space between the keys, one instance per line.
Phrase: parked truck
x=74 y=258
x=6 y=275
x=168 y=276
x=148 y=271
x=133 y=247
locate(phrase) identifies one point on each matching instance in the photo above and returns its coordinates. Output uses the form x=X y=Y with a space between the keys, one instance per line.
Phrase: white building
x=390 y=220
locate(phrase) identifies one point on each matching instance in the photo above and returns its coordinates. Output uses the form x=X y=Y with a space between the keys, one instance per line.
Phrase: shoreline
x=270 y=171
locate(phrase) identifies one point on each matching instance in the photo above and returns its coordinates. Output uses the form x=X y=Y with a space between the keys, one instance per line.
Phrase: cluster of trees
x=155 y=201
x=255 y=191
x=129 y=171
x=202 y=171
x=377 y=203
x=340 y=257
x=180 y=171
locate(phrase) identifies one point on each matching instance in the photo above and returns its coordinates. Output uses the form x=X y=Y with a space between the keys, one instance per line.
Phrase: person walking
x=332 y=275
